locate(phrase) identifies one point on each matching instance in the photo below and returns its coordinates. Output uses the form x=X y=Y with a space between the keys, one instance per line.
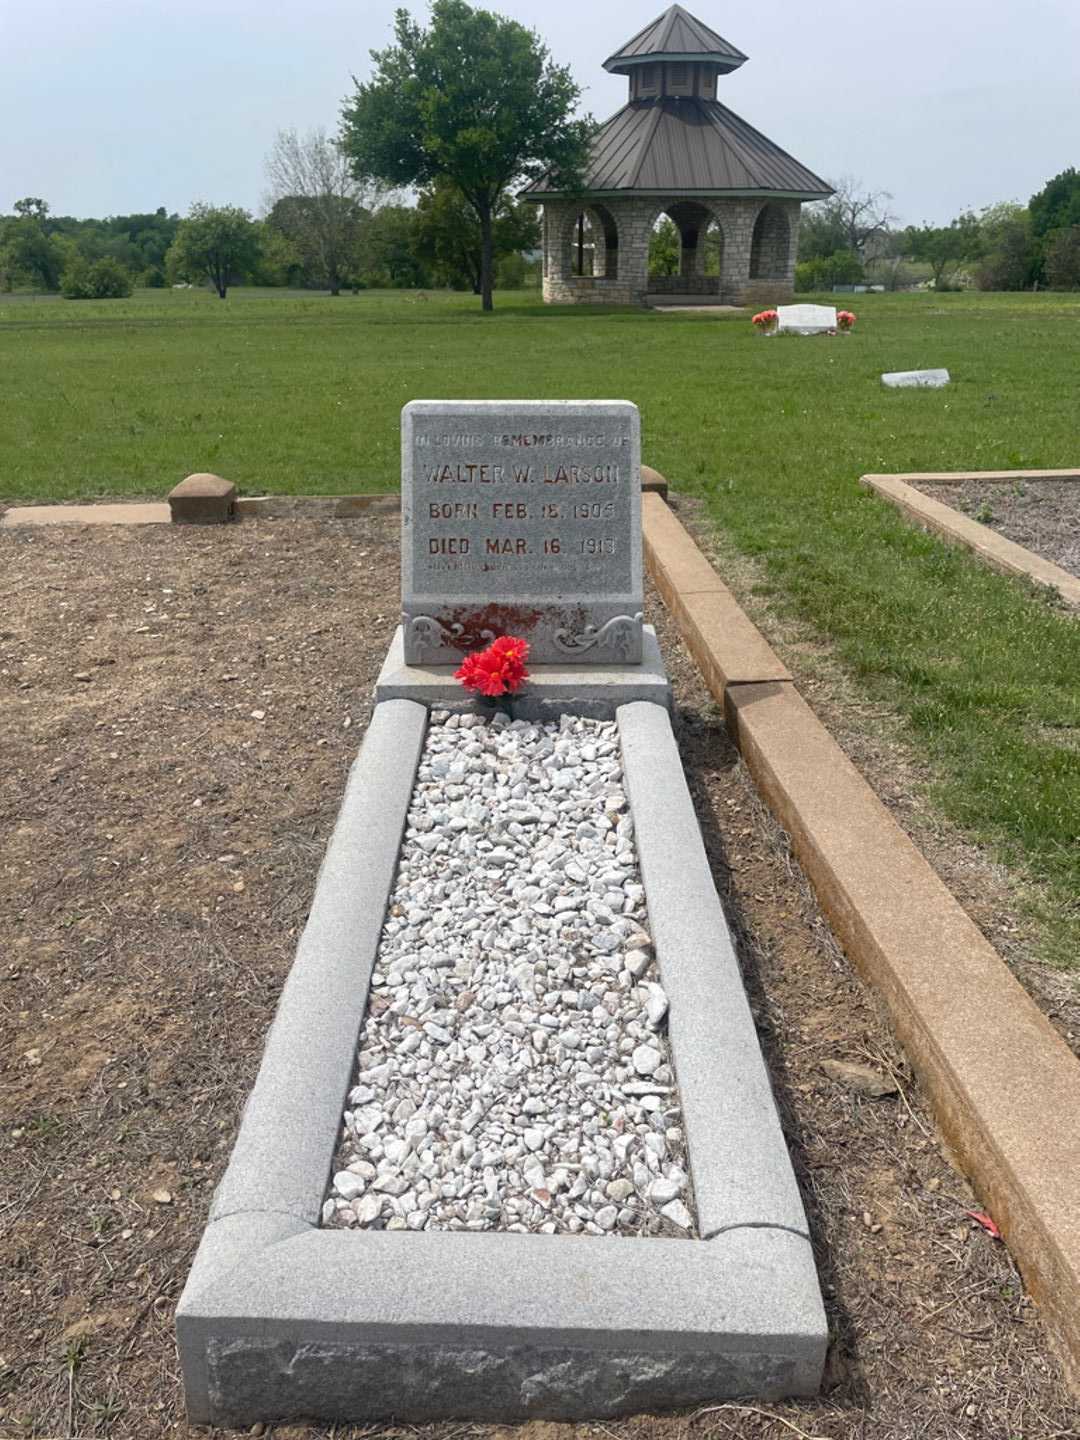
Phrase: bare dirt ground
x=178 y=709
x=1043 y=515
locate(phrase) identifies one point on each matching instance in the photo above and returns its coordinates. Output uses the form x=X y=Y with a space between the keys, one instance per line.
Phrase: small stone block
x=203 y=500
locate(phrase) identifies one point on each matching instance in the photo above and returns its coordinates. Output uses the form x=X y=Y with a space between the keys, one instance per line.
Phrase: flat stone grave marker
x=522 y=517
x=805 y=319
x=915 y=379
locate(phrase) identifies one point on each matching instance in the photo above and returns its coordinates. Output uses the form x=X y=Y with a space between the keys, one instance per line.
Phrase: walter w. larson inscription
x=531 y=525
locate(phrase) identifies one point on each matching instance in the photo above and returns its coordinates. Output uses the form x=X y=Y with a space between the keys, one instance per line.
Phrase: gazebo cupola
x=674 y=150
x=675 y=56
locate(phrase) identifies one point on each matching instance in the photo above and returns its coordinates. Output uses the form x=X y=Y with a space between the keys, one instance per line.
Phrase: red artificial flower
x=845 y=319
x=763 y=318
x=498 y=670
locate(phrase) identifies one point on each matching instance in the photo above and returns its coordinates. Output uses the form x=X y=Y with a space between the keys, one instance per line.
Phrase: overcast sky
x=115 y=106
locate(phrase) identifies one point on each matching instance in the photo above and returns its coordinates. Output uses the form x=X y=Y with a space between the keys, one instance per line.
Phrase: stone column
x=794 y=214
x=557 y=215
x=634 y=219
x=737 y=218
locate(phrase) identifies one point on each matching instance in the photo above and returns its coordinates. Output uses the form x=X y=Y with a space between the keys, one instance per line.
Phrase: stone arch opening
x=770 y=244
x=686 y=250
x=591 y=245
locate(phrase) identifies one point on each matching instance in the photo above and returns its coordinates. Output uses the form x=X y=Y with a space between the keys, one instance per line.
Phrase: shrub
x=105 y=279
x=75 y=281
x=843 y=267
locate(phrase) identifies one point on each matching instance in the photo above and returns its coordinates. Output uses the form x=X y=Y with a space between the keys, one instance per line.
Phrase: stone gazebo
x=673 y=149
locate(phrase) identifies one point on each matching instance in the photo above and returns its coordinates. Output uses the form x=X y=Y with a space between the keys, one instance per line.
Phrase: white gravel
x=514 y=1073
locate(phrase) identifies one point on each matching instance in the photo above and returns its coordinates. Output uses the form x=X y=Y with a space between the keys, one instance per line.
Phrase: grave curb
x=281 y=1320
x=1005 y=1088
x=364 y=1325
x=984 y=543
x=293 y=1114
x=727 y=1100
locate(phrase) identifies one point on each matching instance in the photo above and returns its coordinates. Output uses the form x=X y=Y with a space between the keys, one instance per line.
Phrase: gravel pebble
x=513 y=1068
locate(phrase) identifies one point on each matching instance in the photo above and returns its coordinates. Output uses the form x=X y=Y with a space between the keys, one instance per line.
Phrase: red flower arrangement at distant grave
x=845 y=321
x=765 y=321
x=498 y=670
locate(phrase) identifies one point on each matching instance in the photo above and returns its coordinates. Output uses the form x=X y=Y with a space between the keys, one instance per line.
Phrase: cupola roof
x=676 y=35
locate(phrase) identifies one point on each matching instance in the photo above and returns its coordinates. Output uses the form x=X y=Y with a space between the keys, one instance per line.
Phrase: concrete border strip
x=957 y=477
x=986 y=544
x=727 y=647
x=123 y=512
x=1004 y=1086
x=282 y=1320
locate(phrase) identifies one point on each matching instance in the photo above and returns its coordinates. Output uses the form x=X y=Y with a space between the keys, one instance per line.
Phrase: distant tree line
x=322 y=230
x=851 y=238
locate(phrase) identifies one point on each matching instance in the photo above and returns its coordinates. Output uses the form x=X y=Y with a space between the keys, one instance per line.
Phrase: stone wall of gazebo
x=772 y=276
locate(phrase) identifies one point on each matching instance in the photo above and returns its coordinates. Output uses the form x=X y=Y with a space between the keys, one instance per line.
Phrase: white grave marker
x=805 y=319
x=907 y=379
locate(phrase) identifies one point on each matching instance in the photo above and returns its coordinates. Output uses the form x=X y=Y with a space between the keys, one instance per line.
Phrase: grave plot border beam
x=994 y=550
x=282 y=1320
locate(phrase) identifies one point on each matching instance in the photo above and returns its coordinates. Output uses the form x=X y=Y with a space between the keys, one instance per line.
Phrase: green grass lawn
x=301 y=393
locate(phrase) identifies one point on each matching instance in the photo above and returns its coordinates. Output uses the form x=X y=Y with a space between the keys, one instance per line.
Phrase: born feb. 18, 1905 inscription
x=522 y=517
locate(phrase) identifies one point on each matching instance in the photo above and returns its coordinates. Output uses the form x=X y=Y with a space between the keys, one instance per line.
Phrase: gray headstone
x=521 y=517
x=906 y=379
x=806 y=319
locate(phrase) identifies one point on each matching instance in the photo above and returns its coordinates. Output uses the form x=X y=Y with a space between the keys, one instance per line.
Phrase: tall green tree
x=1057 y=205
x=218 y=243
x=31 y=208
x=1009 y=260
x=1055 y=208
x=30 y=251
x=475 y=98
x=448 y=234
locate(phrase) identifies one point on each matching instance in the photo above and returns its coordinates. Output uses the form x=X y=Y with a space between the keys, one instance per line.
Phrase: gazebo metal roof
x=683 y=144
x=676 y=35
x=689 y=146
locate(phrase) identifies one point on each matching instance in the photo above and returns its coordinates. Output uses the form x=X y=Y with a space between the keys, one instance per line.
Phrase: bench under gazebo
x=732 y=195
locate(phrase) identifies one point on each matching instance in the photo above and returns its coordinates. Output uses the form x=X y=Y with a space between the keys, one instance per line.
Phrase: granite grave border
x=283 y=1320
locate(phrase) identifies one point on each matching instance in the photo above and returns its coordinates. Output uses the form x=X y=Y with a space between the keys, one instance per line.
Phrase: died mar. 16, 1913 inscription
x=522 y=517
